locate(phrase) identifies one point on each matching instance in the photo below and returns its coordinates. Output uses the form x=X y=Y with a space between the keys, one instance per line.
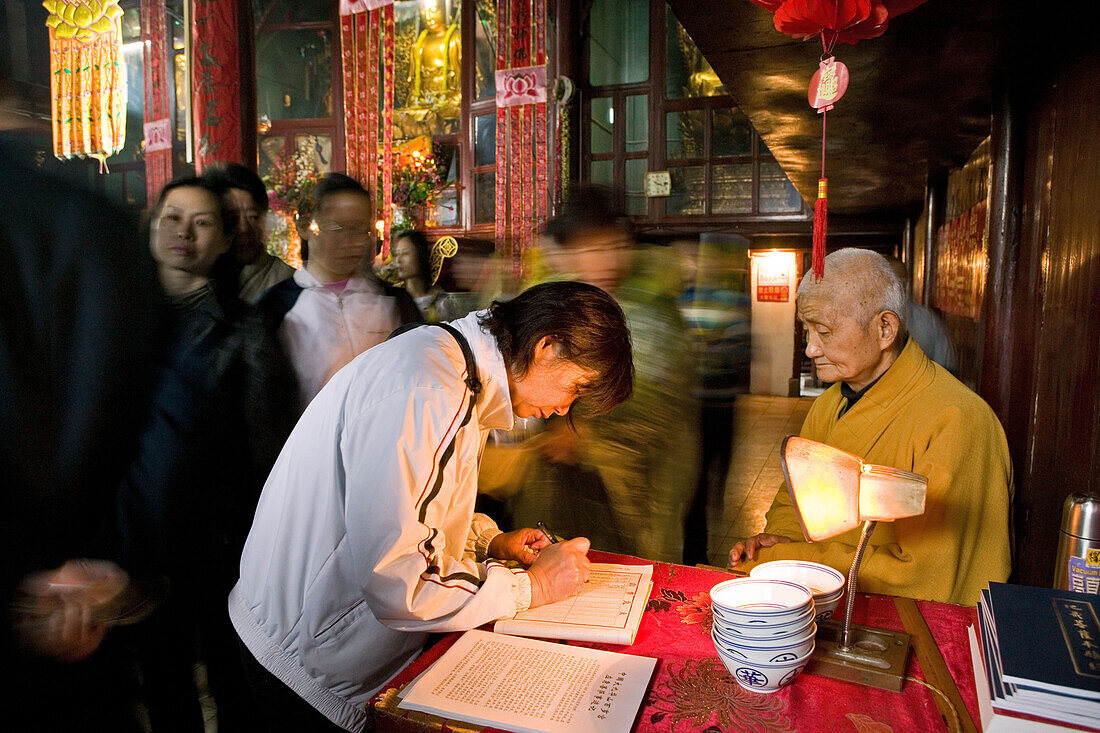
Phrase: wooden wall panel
x=1059 y=276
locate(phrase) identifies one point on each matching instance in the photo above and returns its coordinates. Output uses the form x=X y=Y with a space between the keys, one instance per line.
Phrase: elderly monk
x=893 y=406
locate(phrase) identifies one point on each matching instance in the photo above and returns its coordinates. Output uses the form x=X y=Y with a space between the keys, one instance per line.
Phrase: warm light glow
x=889 y=493
x=834 y=491
x=380 y=227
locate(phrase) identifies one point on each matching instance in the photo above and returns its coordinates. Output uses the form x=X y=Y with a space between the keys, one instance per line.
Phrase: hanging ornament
x=88 y=82
x=843 y=21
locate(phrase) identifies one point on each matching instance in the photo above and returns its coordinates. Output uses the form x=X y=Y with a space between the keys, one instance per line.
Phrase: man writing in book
x=891 y=405
x=365 y=537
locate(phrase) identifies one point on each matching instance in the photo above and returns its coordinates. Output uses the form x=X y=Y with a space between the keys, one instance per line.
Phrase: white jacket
x=365 y=536
x=325 y=330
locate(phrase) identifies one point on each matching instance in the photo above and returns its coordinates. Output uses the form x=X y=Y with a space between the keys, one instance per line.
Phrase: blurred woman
x=224 y=404
x=412 y=253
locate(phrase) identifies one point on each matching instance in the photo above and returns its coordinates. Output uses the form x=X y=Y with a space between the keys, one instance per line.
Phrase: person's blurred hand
x=747 y=550
x=559 y=571
x=64 y=614
x=522 y=545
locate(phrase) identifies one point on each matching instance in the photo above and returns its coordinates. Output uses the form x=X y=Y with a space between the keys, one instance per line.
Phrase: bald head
x=854 y=317
x=859 y=282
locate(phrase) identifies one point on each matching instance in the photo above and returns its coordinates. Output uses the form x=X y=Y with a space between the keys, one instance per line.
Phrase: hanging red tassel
x=821 y=216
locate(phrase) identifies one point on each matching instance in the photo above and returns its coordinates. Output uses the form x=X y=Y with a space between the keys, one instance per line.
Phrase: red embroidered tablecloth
x=691 y=690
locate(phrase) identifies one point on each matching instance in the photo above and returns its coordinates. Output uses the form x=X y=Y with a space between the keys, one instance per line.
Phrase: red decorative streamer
x=502 y=229
x=387 y=125
x=158 y=163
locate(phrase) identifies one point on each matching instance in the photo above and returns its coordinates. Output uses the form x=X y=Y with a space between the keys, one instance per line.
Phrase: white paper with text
x=526 y=685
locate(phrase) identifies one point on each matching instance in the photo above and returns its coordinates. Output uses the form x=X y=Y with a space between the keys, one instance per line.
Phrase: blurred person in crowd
x=412 y=255
x=225 y=403
x=246 y=198
x=925 y=326
x=624 y=479
x=716 y=307
x=79 y=319
x=366 y=538
x=892 y=405
x=333 y=309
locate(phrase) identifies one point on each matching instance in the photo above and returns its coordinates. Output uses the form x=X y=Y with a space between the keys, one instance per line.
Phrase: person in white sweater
x=365 y=538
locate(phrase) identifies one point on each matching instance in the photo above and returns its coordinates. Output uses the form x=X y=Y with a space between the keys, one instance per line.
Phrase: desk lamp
x=833 y=492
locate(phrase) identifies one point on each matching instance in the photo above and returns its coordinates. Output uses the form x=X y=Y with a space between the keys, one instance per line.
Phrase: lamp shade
x=833 y=491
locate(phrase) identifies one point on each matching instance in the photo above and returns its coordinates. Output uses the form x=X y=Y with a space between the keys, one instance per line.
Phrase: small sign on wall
x=773 y=280
x=158 y=135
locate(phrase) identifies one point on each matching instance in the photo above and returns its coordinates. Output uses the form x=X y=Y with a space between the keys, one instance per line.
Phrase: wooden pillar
x=223 y=102
x=935 y=194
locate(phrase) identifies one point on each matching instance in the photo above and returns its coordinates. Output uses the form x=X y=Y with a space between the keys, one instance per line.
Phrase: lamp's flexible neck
x=853 y=575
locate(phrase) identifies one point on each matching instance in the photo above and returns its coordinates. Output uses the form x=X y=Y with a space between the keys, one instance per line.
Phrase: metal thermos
x=1078 y=565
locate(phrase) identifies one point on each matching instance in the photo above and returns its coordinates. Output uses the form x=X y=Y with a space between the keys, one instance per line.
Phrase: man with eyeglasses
x=334 y=309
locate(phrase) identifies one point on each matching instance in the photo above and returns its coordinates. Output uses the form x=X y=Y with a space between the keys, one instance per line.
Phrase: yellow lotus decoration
x=81 y=19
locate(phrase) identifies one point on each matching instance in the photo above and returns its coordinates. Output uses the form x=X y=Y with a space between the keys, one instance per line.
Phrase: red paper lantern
x=846 y=21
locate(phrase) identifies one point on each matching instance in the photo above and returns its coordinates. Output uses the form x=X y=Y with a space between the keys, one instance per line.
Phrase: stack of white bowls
x=826 y=584
x=763 y=630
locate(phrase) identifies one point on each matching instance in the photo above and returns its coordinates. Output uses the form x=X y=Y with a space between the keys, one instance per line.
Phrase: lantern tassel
x=821 y=216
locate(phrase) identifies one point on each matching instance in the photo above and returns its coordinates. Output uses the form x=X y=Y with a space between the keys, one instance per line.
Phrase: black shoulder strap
x=471 y=380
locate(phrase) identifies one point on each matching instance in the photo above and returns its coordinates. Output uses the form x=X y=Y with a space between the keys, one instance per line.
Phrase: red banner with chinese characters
x=961 y=263
x=216 y=83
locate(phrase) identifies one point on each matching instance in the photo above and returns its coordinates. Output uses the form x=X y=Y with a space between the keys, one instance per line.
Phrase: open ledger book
x=532 y=686
x=608 y=610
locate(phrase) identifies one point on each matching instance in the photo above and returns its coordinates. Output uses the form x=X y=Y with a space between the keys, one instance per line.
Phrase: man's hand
x=559 y=571
x=747 y=550
x=65 y=613
x=523 y=545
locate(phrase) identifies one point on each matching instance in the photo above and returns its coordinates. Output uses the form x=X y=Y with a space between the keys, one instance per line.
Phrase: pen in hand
x=546 y=531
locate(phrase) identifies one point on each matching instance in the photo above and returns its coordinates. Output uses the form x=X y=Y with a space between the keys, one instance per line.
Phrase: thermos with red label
x=1078 y=565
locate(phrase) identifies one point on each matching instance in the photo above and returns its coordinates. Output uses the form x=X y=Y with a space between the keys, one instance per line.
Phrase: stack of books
x=1037 y=659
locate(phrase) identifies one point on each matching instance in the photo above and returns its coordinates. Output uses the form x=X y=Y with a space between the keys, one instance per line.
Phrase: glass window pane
x=294 y=74
x=603 y=122
x=428 y=66
x=443 y=211
x=777 y=195
x=274 y=12
x=602 y=172
x=637 y=123
x=687 y=73
x=618 y=45
x=731 y=132
x=317 y=147
x=687 y=195
x=486 y=35
x=485 y=141
x=271 y=147
x=684 y=134
x=732 y=189
x=636 y=202
x=485 y=198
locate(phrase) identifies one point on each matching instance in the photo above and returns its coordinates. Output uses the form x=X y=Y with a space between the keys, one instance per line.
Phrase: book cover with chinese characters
x=1048 y=639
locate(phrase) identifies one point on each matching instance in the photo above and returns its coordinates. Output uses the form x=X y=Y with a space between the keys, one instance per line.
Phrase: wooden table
x=691 y=689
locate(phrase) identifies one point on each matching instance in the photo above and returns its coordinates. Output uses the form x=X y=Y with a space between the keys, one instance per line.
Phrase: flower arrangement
x=416 y=178
x=289 y=182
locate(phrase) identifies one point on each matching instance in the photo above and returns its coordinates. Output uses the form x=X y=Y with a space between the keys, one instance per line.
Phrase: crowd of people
x=290 y=478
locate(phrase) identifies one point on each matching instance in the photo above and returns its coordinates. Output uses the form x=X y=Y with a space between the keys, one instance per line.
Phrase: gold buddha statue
x=434 y=75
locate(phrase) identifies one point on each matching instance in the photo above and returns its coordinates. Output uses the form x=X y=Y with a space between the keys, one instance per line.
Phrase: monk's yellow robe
x=916 y=417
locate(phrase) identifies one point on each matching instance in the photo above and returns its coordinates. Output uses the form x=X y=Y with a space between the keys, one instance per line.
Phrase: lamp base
x=875 y=657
